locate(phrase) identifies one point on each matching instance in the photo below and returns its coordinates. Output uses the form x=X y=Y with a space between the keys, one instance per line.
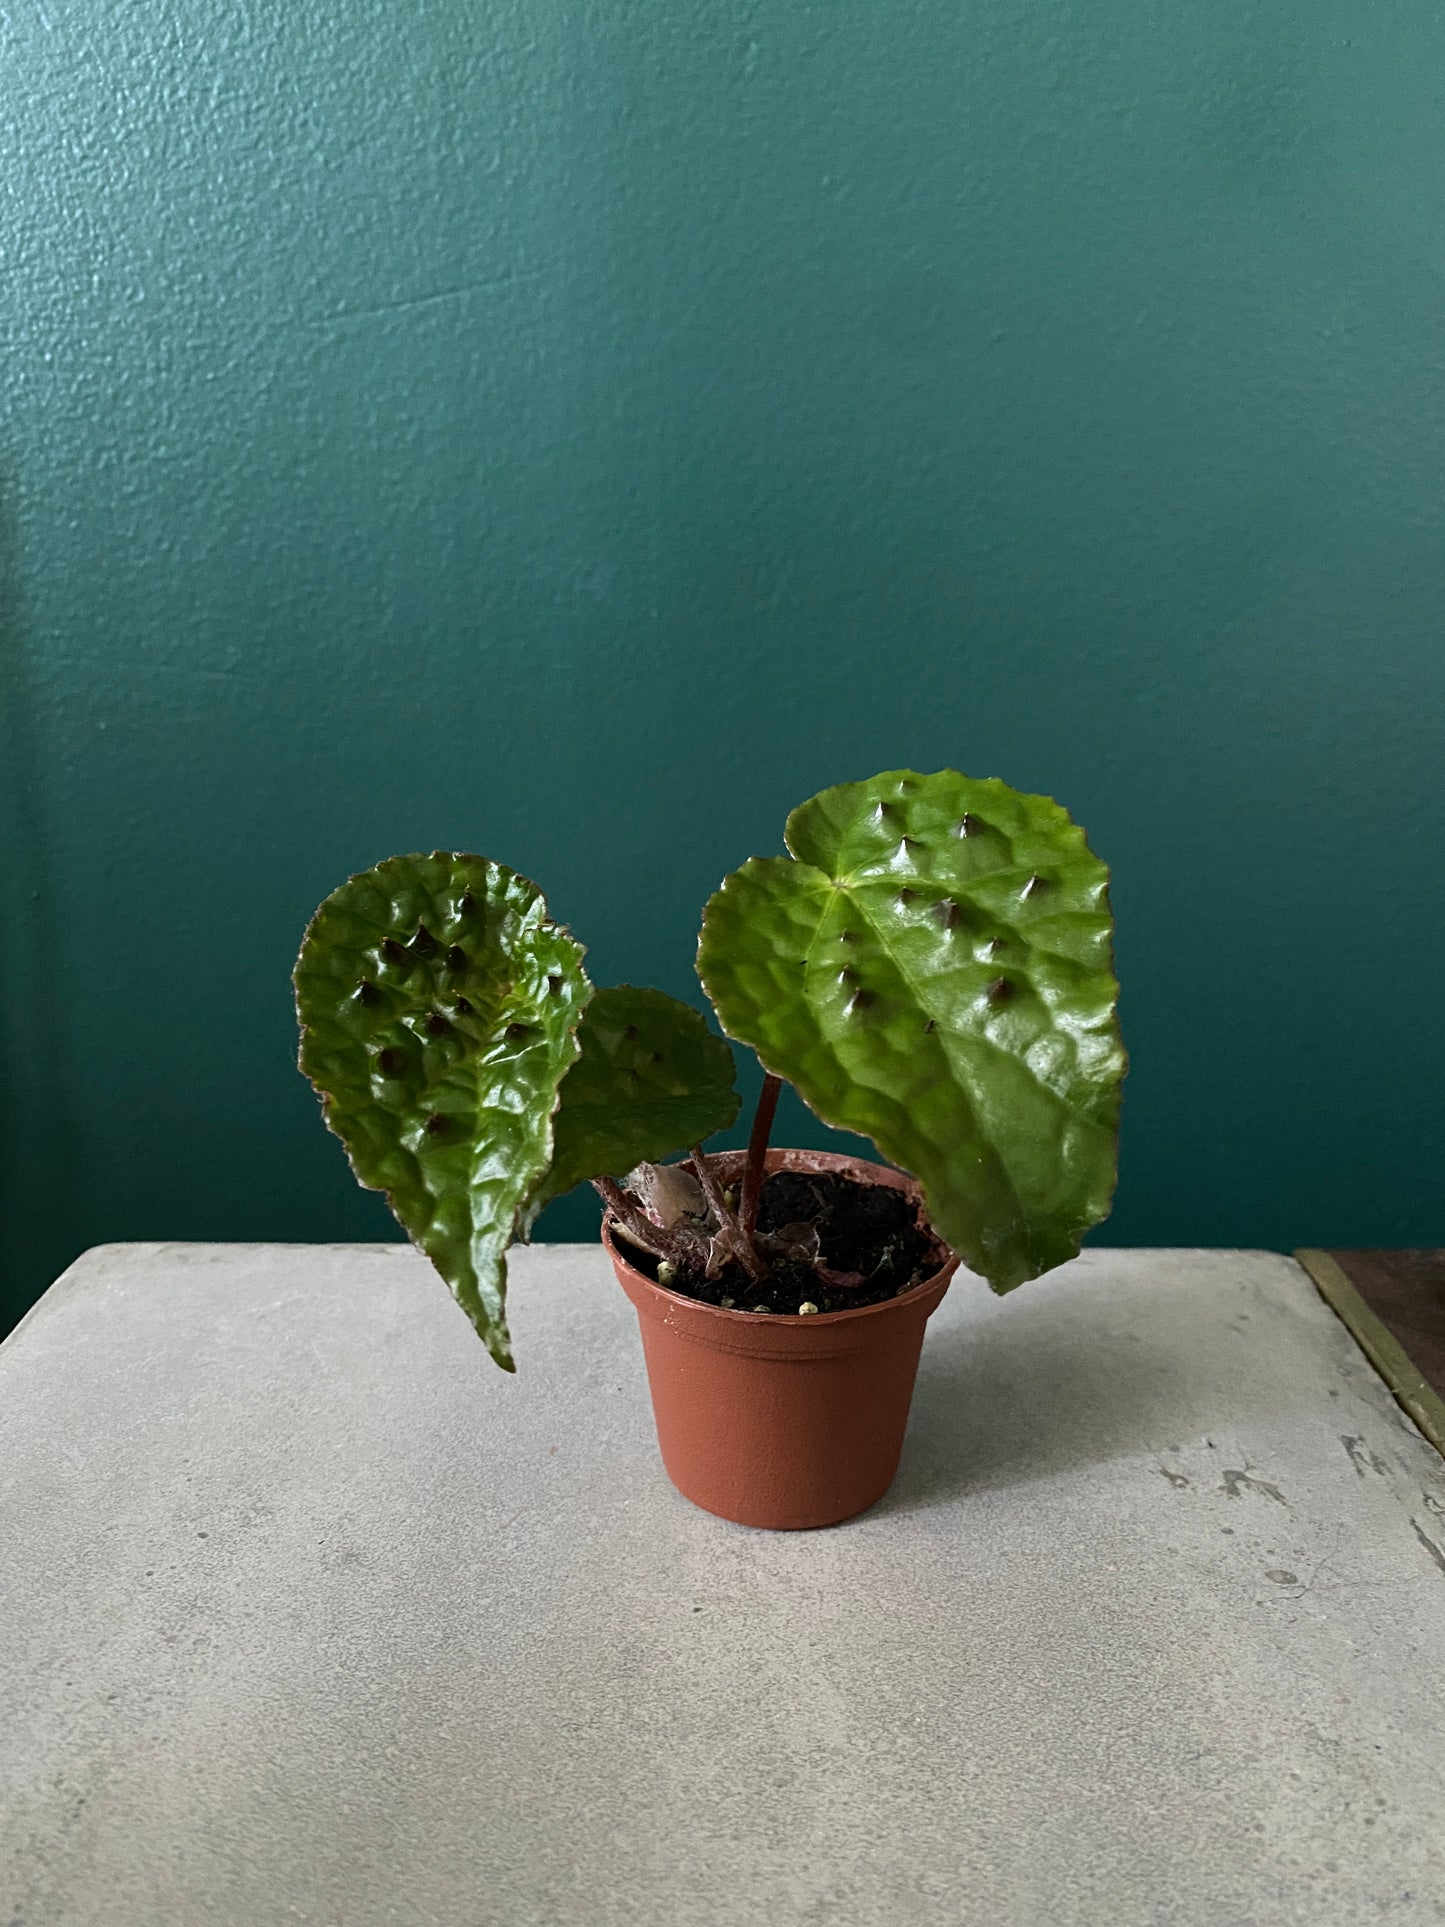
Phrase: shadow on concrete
x=1011 y=1399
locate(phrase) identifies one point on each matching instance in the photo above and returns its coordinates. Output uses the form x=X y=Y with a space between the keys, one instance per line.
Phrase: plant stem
x=711 y=1190
x=757 y=1149
x=634 y=1220
x=751 y=1263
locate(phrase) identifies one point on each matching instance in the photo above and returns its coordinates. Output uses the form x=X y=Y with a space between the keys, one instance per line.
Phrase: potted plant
x=929 y=966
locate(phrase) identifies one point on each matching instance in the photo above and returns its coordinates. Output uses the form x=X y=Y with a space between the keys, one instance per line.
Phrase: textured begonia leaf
x=651 y=1079
x=439 y=1007
x=932 y=967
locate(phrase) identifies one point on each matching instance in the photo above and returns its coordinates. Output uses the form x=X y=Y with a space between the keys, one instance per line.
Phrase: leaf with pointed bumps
x=932 y=967
x=651 y=1079
x=439 y=1007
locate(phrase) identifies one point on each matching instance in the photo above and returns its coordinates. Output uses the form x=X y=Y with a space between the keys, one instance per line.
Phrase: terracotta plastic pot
x=777 y=1420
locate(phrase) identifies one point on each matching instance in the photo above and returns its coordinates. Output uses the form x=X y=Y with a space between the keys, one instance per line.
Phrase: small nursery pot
x=778 y=1420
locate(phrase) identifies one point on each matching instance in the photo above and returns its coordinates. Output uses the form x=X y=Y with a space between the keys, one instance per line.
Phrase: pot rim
x=782 y=1158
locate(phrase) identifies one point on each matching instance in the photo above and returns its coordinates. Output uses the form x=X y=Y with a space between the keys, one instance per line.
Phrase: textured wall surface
x=578 y=431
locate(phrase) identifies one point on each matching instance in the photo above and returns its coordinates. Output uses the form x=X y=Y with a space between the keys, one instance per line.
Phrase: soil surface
x=869 y=1228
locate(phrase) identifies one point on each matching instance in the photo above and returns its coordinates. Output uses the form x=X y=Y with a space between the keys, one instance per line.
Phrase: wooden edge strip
x=1379 y=1344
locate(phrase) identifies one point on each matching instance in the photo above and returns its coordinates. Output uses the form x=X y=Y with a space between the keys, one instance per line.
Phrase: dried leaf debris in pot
x=872 y=1229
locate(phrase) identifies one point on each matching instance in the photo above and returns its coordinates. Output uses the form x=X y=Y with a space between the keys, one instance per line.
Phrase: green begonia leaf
x=652 y=1079
x=439 y=1006
x=932 y=967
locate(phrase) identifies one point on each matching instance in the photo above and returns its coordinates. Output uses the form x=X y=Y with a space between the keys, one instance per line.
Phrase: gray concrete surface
x=312 y=1615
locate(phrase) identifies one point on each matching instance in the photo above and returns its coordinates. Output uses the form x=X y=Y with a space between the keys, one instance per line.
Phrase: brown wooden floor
x=1405 y=1289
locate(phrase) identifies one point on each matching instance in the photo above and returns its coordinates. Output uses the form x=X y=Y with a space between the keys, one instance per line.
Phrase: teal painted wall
x=578 y=431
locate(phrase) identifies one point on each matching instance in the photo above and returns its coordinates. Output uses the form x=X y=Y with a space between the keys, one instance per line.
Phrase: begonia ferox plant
x=930 y=966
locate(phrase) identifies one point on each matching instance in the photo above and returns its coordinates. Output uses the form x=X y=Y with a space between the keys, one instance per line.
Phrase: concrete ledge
x=310 y=1614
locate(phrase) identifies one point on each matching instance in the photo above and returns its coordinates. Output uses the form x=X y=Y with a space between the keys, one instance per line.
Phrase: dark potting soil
x=870 y=1228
